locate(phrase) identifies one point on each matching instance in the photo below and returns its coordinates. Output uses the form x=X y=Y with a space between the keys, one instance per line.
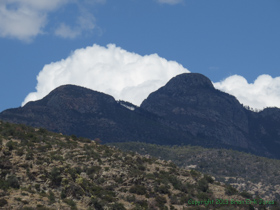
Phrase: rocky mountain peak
x=68 y=95
x=189 y=81
x=184 y=84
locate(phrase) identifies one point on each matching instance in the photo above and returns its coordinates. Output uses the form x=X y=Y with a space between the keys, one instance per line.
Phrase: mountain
x=190 y=102
x=44 y=171
x=71 y=109
x=187 y=110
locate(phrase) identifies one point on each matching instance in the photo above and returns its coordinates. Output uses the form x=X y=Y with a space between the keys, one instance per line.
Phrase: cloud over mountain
x=112 y=70
x=131 y=77
x=264 y=92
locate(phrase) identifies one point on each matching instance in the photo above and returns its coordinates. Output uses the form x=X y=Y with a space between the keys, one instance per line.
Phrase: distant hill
x=187 y=110
x=247 y=172
x=43 y=170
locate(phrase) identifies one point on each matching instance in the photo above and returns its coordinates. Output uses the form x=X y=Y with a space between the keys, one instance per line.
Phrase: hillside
x=247 y=172
x=44 y=170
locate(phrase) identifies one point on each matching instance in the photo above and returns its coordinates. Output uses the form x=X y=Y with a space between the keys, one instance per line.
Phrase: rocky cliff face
x=265 y=129
x=187 y=110
x=195 y=105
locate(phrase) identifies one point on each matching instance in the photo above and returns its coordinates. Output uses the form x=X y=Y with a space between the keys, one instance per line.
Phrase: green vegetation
x=71 y=203
x=138 y=189
x=230 y=190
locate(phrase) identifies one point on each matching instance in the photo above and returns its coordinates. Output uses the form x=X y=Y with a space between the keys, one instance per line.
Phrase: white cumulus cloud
x=125 y=75
x=25 y=19
x=264 y=92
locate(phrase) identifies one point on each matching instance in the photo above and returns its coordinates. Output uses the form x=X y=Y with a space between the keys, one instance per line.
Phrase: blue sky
x=233 y=42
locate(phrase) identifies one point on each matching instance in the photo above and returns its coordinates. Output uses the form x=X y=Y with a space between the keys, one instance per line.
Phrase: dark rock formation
x=195 y=105
x=76 y=110
x=192 y=103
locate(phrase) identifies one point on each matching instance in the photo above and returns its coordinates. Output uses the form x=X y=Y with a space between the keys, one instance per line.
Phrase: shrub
x=209 y=179
x=55 y=176
x=131 y=198
x=202 y=196
x=138 y=189
x=108 y=196
x=3 y=184
x=11 y=145
x=74 y=190
x=63 y=194
x=230 y=190
x=30 y=175
x=141 y=168
x=3 y=202
x=118 y=206
x=203 y=185
x=183 y=198
x=194 y=173
x=29 y=156
x=5 y=164
x=150 y=176
x=246 y=194
x=27 y=208
x=37 y=187
x=175 y=182
x=42 y=131
x=142 y=204
x=163 y=189
x=40 y=207
x=97 y=205
x=51 y=197
x=174 y=200
x=7 y=153
x=20 y=152
x=13 y=182
x=71 y=203
x=160 y=201
x=93 y=169
x=184 y=187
